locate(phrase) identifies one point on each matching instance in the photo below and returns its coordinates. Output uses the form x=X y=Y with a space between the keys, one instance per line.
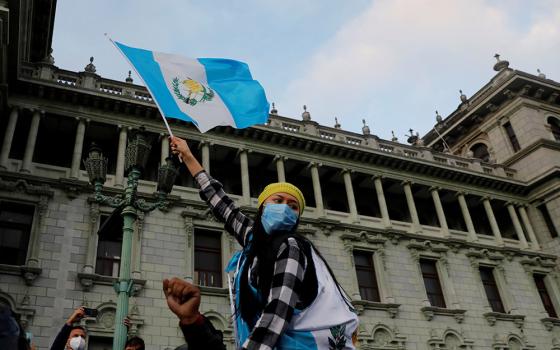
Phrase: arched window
x=480 y=151
x=554 y=124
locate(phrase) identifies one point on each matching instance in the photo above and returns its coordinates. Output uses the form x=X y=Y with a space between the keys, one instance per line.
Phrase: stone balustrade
x=328 y=134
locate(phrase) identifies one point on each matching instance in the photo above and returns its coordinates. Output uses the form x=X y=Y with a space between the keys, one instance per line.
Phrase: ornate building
x=449 y=242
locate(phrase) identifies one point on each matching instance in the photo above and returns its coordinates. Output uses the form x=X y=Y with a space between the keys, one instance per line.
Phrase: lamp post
x=136 y=156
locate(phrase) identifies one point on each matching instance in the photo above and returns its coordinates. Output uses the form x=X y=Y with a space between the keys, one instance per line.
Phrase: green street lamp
x=136 y=157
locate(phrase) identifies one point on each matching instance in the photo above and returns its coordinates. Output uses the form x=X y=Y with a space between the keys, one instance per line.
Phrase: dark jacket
x=61 y=338
x=202 y=335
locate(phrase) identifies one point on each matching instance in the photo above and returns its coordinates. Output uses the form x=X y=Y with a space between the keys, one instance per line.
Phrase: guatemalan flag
x=206 y=91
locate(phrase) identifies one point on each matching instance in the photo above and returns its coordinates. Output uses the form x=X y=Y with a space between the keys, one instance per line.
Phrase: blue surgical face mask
x=278 y=217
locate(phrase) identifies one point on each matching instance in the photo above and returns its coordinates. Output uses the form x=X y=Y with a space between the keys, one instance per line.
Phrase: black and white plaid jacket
x=289 y=267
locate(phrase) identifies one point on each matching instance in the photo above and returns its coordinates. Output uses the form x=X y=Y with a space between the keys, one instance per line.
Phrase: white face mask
x=77 y=343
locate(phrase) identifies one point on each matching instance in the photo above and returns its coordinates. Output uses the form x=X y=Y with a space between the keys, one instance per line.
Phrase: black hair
x=135 y=341
x=261 y=248
x=79 y=327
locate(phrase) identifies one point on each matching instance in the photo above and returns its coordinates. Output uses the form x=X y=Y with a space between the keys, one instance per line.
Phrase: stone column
x=119 y=172
x=381 y=200
x=205 y=146
x=517 y=225
x=439 y=211
x=280 y=168
x=529 y=227
x=94 y=217
x=467 y=216
x=164 y=148
x=9 y=137
x=189 y=248
x=411 y=206
x=33 y=260
x=350 y=194
x=493 y=223
x=78 y=148
x=314 y=167
x=31 y=140
x=245 y=183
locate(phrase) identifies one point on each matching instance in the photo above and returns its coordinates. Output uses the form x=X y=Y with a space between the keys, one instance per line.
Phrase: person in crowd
x=286 y=295
x=71 y=337
x=183 y=299
x=134 y=343
x=11 y=332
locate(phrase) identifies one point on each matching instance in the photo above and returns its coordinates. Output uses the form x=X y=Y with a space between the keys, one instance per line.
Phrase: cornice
x=267 y=138
x=540 y=143
x=489 y=95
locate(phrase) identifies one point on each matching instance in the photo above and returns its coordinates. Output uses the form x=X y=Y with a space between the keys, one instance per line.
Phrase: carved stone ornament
x=23 y=186
x=430 y=312
x=550 y=322
x=390 y=308
x=381 y=337
x=450 y=339
x=493 y=317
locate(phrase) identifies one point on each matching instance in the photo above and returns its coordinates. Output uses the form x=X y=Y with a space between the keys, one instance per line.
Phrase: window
x=480 y=151
x=548 y=220
x=491 y=289
x=512 y=137
x=432 y=283
x=109 y=245
x=365 y=271
x=207 y=258
x=100 y=343
x=554 y=124
x=15 y=229
x=545 y=297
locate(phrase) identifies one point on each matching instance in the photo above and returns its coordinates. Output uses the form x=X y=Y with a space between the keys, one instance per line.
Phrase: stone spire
x=274 y=110
x=463 y=97
x=90 y=68
x=49 y=59
x=394 y=138
x=129 y=78
x=541 y=74
x=439 y=119
x=306 y=116
x=365 y=128
x=336 y=124
x=501 y=64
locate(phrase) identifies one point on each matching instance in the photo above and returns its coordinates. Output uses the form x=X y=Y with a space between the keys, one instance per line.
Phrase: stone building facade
x=449 y=242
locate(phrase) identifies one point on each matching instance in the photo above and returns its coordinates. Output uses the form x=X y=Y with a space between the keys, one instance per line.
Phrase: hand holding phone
x=90 y=312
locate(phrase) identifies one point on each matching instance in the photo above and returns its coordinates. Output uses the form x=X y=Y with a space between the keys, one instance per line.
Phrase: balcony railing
x=139 y=93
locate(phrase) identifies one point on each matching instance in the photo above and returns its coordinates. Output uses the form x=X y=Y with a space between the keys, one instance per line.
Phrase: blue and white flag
x=206 y=91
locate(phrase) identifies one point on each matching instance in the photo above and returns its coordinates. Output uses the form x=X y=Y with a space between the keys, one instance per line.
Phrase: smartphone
x=90 y=312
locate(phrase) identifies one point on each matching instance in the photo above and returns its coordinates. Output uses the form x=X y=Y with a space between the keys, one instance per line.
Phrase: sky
x=390 y=62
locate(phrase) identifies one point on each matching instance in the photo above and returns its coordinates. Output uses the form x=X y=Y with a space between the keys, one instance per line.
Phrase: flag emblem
x=204 y=91
x=191 y=91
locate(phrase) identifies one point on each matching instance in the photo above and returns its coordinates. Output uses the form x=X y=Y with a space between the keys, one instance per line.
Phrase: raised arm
x=211 y=191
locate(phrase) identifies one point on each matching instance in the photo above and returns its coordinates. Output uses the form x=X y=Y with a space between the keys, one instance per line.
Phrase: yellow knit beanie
x=283 y=187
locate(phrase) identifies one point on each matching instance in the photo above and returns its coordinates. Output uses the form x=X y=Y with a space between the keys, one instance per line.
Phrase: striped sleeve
x=287 y=281
x=223 y=207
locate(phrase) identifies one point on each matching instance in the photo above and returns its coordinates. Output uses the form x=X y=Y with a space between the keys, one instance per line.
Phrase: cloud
x=414 y=55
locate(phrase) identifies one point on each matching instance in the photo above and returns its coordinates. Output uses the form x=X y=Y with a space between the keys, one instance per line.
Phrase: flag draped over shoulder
x=206 y=91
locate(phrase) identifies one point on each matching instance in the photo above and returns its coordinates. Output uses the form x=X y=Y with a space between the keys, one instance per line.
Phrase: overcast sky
x=391 y=62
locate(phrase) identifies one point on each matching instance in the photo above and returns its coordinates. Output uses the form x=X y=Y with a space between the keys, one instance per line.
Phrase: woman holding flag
x=285 y=296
